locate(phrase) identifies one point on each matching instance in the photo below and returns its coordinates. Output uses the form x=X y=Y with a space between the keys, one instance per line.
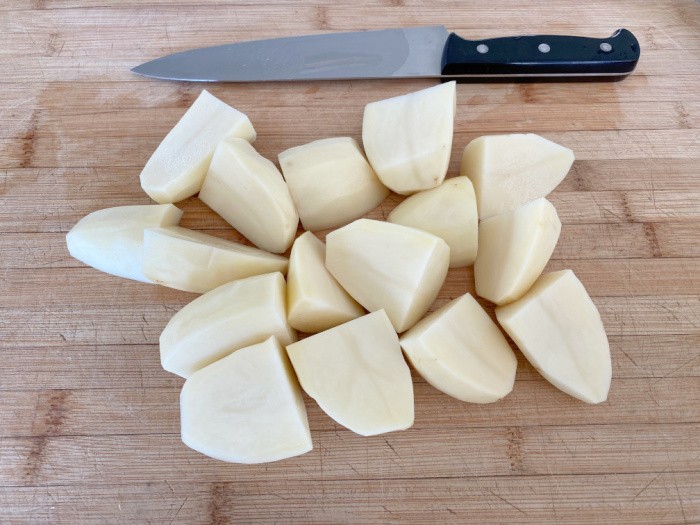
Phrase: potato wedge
x=177 y=167
x=246 y=408
x=357 y=375
x=388 y=266
x=315 y=300
x=558 y=329
x=232 y=316
x=111 y=240
x=196 y=262
x=331 y=182
x=248 y=191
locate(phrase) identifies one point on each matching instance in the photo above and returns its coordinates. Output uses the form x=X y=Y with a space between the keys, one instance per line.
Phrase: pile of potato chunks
x=237 y=345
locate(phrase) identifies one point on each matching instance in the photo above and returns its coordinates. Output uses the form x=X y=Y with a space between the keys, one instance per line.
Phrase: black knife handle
x=540 y=57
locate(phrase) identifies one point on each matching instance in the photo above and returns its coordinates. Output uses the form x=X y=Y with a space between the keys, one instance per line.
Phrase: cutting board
x=89 y=424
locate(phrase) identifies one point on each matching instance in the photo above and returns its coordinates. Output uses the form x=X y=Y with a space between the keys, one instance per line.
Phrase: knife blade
x=414 y=52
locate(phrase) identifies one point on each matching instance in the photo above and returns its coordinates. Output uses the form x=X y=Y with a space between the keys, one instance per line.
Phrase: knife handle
x=539 y=57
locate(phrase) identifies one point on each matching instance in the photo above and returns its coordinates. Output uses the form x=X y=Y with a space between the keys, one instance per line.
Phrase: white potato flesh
x=357 y=375
x=408 y=139
x=176 y=169
x=460 y=351
x=388 y=266
x=558 y=329
x=331 y=182
x=248 y=191
x=448 y=211
x=111 y=240
x=315 y=300
x=196 y=262
x=246 y=408
x=514 y=248
x=232 y=316
x=510 y=170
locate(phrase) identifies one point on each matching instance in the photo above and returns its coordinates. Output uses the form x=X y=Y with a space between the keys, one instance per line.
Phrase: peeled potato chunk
x=388 y=266
x=111 y=240
x=510 y=170
x=315 y=300
x=331 y=182
x=176 y=169
x=460 y=351
x=408 y=139
x=357 y=375
x=237 y=314
x=558 y=329
x=196 y=262
x=514 y=248
x=246 y=408
x=448 y=211
x=248 y=191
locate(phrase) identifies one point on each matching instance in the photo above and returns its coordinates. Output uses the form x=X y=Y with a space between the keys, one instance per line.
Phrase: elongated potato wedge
x=408 y=139
x=237 y=314
x=460 y=351
x=111 y=240
x=331 y=182
x=514 y=248
x=388 y=266
x=448 y=211
x=510 y=170
x=558 y=329
x=246 y=408
x=196 y=262
x=248 y=191
x=357 y=375
x=177 y=167
x=315 y=300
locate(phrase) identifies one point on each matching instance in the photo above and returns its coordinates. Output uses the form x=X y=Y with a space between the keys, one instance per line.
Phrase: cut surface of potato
x=246 y=408
x=176 y=169
x=448 y=211
x=196 y=262
x=315 y=300
x=111 y=240
x=408 y=139
x=388 y=266
x=514 y=248
x=460 y=351
x=357 y=375
x=331 y=182
x=510 y=170
x=558 y=329
x=234 y=315
x=248 y=191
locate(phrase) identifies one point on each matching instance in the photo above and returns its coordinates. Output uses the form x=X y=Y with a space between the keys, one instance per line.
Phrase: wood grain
x=88 y=419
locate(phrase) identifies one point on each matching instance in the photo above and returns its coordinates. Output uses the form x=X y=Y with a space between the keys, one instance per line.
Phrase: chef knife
x=415 y=52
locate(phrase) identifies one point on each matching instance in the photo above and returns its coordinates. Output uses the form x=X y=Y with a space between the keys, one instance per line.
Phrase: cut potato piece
x=111 y=240
x=248 y=191
x=196 y=262
x=331 y=182
x=460 y=351
x=558 y=329
x=357 y=375
x=176 y=169
x=388 y=266
x=246 y=408
x=408 y=139
x=448 y=211
x=237 y=314
x=514 y=248
x=510 y=170
x=315 y=300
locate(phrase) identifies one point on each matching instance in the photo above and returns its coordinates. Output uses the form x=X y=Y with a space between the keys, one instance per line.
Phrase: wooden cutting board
x=89 y=421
